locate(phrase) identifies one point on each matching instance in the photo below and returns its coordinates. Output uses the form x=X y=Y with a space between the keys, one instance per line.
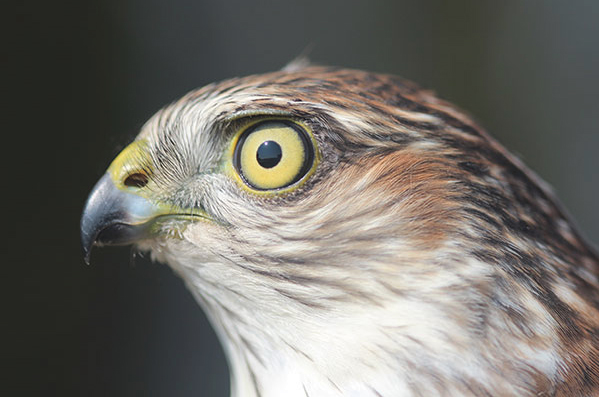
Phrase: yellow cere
x=133 y=159
x=286 y=170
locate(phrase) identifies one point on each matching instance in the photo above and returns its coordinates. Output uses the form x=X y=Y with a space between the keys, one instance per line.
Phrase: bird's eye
x=273 y=154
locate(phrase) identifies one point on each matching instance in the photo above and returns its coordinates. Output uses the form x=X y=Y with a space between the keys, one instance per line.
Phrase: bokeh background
x=81 y=77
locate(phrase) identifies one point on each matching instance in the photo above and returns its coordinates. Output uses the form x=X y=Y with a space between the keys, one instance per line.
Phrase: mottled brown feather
x=408 y=188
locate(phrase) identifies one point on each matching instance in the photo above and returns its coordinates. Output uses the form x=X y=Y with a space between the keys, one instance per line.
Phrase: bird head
x=342 y=225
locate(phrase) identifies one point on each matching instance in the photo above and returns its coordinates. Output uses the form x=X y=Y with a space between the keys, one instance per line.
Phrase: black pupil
x=269 y=154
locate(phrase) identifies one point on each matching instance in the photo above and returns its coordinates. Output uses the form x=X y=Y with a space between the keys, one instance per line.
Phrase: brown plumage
x=418 y=257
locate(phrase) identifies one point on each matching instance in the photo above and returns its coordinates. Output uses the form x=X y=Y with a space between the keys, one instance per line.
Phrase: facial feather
x=421 y=258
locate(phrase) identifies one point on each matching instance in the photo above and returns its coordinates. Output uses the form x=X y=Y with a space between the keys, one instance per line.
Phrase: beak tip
x=87 y=255
x=93 y=218
x=87 y=243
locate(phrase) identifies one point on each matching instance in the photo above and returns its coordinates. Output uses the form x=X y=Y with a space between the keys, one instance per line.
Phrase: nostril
x=137 y=179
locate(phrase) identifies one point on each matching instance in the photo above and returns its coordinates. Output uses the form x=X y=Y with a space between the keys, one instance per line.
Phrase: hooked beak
x=113 y=216
x=117 y=213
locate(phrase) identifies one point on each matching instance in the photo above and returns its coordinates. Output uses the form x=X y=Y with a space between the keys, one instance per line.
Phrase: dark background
x=80 y=78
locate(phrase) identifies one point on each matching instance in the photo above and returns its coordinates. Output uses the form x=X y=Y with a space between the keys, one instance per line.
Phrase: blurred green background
x=82 y=77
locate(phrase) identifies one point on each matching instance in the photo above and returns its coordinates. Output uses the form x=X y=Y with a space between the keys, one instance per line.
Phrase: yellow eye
x=273 y=155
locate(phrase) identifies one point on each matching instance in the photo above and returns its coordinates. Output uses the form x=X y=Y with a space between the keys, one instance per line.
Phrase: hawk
x=350 y=234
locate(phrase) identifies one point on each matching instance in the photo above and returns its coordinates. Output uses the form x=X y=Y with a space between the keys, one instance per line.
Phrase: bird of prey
x=350 y=234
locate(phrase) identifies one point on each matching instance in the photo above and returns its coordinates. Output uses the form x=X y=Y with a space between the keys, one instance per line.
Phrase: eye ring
x=274 y=155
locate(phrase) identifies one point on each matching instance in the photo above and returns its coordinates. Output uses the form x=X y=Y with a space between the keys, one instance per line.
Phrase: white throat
x=279 y=344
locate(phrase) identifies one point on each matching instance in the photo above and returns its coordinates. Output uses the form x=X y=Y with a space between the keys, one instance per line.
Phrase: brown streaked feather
x=412 y=202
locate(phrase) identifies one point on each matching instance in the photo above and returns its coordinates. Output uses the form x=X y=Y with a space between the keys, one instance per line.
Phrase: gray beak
x=113 y=216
